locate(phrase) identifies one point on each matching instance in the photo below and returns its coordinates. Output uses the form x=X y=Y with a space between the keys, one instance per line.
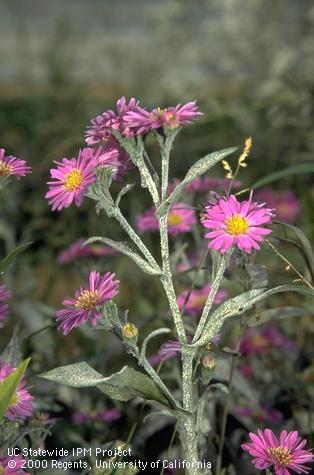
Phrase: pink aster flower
x=20 y=404
x=109 y=415
x=44 y=419
x=172 y=117
x=169 y=349
x=197 y=300
x=85 y=305
x=77 y=250
x=283 y=455
x=112 y=155
x=79 y=418
x=5 y=296
x=12 y=166
x=263 y=414
x=286 y=204
x=101 y=126
x=71 y=179
x=180 y=220
x=261 y=341
x=232 y=223
x=73 y=252
x=5 y=468
x=147 y=221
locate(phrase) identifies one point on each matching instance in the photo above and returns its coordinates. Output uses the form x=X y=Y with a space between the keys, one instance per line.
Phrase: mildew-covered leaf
x=197 y=169
x=123 y=386
x=125 y=249
x=240 y=304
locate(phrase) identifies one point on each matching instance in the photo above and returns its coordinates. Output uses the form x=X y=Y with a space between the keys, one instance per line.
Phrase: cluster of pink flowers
x=181 y=218
x=143 y=121
x=21 y=402
x=261 y=341
x=286 y=204
x=7 y=468
x=12 y=166
x=283 y=454
x=77 y=250
x=101 y=126
x=85 y=305
x=197 y=299
x=5 y=296
x=109 y=415
x=232 y=223
x=73 y=176
x=264 y=414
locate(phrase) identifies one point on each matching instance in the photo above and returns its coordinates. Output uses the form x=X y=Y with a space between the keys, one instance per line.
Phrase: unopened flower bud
x=129 y=331
x=209 y=362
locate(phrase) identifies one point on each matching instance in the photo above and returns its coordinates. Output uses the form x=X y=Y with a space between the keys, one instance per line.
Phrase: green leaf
x=123 y=386
x=240 y=304
x=275 y=314
x=196 y=170
x=4 y=264
x=8 y=386
x=306 y=245
x=222 y=387
x=295 y=170
x=125 y=249
x=258 y=275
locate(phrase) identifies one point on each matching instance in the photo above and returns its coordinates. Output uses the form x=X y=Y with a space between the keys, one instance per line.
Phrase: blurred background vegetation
x=249 y=63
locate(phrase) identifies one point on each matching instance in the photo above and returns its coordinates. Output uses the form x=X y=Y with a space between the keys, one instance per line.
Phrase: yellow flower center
x=260 y=414
x=199 y=300
x=88 y=299
x=282 y=455
x=258 y=341
x=1 y=469
x=171 y=120
x=157 y=113
x=5 y=170
x=174 y=219
x=73 y=180
x=236 y=225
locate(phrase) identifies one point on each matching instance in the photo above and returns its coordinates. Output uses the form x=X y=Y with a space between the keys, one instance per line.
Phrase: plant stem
x=200 y=266
x=223 y=262
x=167 y=282
x=165 y=148
x=189 y=433
x=150 y=370
x=135 y=238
